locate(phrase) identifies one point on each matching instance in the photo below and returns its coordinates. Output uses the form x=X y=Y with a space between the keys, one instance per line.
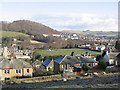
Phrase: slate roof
x=5 y=64
x=112 y=56
x=47 y=63
x=14 y=64
x=74 y=60
x=118 y=56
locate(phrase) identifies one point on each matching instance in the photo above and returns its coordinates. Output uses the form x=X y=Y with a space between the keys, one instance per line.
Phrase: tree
x=117 y=45
x=85 y=67
x=102 y=64
x=6 y=41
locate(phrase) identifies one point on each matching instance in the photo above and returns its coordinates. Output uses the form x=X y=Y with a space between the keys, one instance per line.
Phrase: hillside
x=95 y=33
x=11 y=34
x=28 y=27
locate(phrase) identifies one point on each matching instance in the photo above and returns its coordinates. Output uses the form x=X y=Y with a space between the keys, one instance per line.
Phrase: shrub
x=102 y=64
x=50 y=72
x=85 y=67
x=40 y=72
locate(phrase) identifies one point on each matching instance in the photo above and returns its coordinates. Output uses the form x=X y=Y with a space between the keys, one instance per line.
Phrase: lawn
x=65 y=52
x=12 y=34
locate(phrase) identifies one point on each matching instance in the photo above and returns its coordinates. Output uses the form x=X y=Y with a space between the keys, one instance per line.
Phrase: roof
x=23 y=56
x=14 y=64
x=111 y=56
x=59 y=59
x=5 y=64
x=48 y=63
x=118 y=56
x=36 y=62
x=74 y=60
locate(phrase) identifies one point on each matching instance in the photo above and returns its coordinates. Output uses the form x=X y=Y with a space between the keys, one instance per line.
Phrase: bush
x=40 y=72
x=85 y=67
x=50 y=72
x=102 y=64
x=43 y=72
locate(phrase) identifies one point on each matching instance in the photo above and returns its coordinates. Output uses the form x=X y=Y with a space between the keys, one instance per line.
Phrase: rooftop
x=74 y=60
x=14 y=64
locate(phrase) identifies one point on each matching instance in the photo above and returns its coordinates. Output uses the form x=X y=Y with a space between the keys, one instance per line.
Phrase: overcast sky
x=73 y=15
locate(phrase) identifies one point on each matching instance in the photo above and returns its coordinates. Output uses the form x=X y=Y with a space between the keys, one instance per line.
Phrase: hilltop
x=28 y=27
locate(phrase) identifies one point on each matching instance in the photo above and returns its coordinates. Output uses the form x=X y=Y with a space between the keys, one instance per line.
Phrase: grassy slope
x=65 y=52
x=12 y=34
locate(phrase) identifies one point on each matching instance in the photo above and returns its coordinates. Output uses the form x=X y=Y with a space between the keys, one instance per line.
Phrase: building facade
x=14 y=68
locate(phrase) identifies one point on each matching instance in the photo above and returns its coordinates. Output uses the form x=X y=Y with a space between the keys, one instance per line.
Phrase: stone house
x=117 y=61
x=47 y=64
x=36 y=63
x=69 y=62
x=110 y=58
x=14 y=68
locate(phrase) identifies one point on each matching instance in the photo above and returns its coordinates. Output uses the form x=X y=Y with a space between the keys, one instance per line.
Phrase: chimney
x=73 y=54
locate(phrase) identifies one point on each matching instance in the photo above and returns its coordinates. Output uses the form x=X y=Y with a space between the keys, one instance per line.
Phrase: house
x=112 y=58
x=36 y=63
x=22 y=57
x=101 y=48
x=69 y=62
x=45 y=35
x=117 y=61
x=56 y=35
x=47 y=64
x=14 y=68
x=109 y=57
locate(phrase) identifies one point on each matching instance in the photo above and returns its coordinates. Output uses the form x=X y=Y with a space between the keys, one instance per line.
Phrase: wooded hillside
x=28 y=27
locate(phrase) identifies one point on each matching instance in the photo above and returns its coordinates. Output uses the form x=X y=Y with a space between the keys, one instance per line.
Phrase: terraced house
x=14 y=68
x=72 y=63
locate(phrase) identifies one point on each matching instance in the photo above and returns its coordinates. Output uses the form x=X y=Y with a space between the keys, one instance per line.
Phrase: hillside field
x=65 y=52
x=12 y=34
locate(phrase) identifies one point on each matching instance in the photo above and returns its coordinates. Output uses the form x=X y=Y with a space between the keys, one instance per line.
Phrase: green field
x=11 y=34
x=65 y=52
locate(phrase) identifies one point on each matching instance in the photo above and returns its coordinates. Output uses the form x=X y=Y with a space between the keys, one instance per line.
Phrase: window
x=6 y=71
x=27 y=70
x=18 y=71
x=81 y=64
x=66 y=66
x=6 y=78
x=62 y=66
x=71 y=65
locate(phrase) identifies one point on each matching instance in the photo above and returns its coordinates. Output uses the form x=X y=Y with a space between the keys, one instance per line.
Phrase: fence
x=43 y=78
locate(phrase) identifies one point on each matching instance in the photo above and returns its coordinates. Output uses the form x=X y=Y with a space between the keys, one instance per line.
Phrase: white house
x=101 y=48
x=109 y=57
x=22 y=57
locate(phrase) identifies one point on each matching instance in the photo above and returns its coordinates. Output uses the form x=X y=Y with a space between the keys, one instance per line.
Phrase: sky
x=64 y=15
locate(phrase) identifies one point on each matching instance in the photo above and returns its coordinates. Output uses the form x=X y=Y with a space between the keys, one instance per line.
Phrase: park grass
x=11 y=34
x=66 y=52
